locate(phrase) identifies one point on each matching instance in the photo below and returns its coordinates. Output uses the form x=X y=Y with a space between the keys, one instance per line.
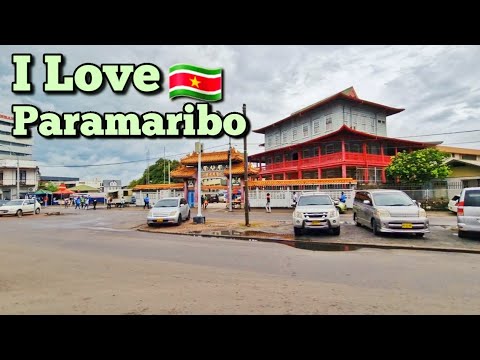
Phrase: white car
x=452 y=204
x=316 y=211
x=20 y=207
x=468 y=214
x=171 y=210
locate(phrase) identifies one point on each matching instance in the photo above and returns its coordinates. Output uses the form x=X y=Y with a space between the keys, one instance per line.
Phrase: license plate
x=316 y=222
x=407 y=226
x=159 y=220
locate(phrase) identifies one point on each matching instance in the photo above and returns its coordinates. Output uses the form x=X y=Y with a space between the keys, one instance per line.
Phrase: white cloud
x=437 y=85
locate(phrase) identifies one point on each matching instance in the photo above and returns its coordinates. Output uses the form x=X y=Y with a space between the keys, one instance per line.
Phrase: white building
x=111 y=185
x=17 y=167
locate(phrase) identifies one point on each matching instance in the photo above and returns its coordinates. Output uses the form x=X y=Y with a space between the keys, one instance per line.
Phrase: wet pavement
x=266 y=227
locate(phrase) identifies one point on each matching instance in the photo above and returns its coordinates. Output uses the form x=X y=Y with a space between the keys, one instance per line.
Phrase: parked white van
x=468 y=211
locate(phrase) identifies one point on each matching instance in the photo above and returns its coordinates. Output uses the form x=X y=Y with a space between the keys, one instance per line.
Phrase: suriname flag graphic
x=195 y=82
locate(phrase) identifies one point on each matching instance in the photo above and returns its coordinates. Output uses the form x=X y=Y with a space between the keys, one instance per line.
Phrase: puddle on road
x=306 y=245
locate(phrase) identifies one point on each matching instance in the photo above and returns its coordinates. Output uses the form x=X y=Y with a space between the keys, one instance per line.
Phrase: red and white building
x=341 y=136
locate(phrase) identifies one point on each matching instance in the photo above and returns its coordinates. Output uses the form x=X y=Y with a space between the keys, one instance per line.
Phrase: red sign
x=6 y=117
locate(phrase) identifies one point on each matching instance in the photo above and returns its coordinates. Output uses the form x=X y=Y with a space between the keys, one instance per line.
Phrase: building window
x=277 y=139
x=306 y=153
x=316 y=151
x=278 y=158
x=329 y=149
x=469 y=157
x=284 y=137
x=287 y=157
x=372 y=124
x=305 y=130
x=269 y=140
x=328 y=124
x=1 y=176
x=316 y=126
x=294 y=134
x=373 y=149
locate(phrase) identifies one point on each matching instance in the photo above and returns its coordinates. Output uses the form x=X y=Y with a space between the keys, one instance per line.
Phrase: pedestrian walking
x=267 y=205
x=122 y=202
x=295 y=198
x=146 y=202
x=94 y=204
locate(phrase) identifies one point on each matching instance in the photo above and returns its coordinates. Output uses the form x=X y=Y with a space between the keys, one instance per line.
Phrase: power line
x=123 y=162
x=445 y=133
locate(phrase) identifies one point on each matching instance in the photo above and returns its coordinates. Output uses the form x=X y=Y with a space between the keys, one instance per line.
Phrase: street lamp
x=199 y=219
x=18 y=170
x=229 y=170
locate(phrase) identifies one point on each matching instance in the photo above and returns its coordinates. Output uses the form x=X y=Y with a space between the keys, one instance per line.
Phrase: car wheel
x=19 y=213
x=336 y=231
x=188 y=216
x=461 y=234
x=37 y=211
x=419 y=235
x=375 y=228
x=355 y=220
x=179 y=220
x=150 y=224
x=297 y=231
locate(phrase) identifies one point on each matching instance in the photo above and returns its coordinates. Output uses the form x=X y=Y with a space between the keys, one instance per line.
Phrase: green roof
x=83 y=188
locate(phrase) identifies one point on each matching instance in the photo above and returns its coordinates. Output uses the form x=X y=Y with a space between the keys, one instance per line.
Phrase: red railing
x=352 y=159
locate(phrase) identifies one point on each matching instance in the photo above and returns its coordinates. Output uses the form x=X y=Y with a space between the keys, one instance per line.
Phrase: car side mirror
x=366 y=202
x=336 y=202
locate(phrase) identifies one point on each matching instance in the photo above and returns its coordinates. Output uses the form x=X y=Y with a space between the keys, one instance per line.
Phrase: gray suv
x=468 y=211
x=389 y=211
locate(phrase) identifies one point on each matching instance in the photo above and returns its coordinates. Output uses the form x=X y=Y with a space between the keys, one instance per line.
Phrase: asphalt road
x=67 y=249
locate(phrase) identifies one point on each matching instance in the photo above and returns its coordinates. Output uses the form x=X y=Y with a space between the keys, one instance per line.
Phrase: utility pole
x=168 y=171
x=230 y=174
x=147 y=180
x=164 y=165
x=229 y=196
x=245 y=161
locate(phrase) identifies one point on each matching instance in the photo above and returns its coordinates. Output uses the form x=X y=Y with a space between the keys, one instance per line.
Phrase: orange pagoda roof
x=212 y=157
x=239 y=169
x=183 y=172
x=159 y=186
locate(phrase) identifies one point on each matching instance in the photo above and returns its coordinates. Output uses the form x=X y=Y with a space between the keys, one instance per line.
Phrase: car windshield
x=314 y=200
x=392 y=199
x=14 y=202
x=167 y=203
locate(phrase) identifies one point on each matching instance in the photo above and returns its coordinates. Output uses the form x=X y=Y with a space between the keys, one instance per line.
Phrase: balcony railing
x=352 y=159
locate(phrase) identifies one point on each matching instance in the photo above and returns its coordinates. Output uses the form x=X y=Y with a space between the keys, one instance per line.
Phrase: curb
x=360 y=245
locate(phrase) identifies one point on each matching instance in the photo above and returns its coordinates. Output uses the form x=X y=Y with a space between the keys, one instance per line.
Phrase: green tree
x=419 y=167
x=48 y=186
x=157 y=174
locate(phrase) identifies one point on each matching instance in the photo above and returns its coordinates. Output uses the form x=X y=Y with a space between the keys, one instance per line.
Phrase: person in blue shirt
x=146 y=201
x=343 y=198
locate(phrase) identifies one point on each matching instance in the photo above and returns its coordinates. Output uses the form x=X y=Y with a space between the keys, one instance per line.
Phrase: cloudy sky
x=437 y=85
